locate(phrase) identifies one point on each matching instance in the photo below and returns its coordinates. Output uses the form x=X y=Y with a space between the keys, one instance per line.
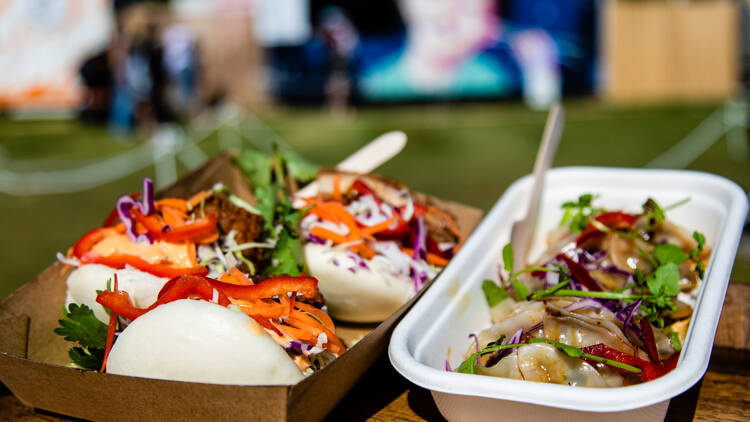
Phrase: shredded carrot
x=314 y=327
x=337 y=189
x=192 y=254
x=286 y=305
x=227 y=278
x=431 y=258
x=240 y=276
x=173 y=216
x=263 y=310
x=328 y=234
x=299 y=334
x=370 y=230
x=198 y=198
x=318 y=314
x=176 y=203
x=207 y=238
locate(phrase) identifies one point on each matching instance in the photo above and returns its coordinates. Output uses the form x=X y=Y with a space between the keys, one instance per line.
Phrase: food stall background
x=96 y=94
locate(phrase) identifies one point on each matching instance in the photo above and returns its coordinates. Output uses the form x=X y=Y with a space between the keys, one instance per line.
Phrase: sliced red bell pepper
x=119 y=261
x=88 y=240
x=617 y=220
x=401 y=230
x=110 y=332
x=361 y=187
x=270 y=287
x=178 y=288
x=157 y=230
x=419 y=209
x=188 y=231
x=580 y=273
x=649 y=342
x=649 y=371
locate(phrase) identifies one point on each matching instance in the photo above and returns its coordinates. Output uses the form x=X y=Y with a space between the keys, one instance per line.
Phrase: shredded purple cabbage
x=448 y=366
x=500 y=354
x=315 y=239
x=420 y=240
x=146 y=206
x=476 y=345
x=626 y=316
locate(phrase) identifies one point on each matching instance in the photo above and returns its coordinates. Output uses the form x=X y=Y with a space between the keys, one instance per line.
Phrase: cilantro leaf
x=654 y=213
x=493 y=293
x=508 y=257
x=256 y=165
x=669 y=252
x=298 y=167
x=577 y=213
x=675 y=338
x=286 y=257
x=80 y=325
x=469 y=366
x=521 y=290
x=90 y=358
x=665 y=281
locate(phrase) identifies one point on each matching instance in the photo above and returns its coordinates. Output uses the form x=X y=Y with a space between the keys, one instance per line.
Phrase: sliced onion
x=409 y=207
x=420 y=240
x=584 y=304
x=68 y=261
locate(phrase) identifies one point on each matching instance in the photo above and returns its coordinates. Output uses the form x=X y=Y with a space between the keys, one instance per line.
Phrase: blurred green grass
x=468 y=152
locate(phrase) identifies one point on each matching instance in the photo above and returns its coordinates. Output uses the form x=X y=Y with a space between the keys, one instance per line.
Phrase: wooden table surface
x=383 y=395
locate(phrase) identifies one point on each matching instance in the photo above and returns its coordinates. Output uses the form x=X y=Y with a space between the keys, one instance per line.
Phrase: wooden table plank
x=383 y=395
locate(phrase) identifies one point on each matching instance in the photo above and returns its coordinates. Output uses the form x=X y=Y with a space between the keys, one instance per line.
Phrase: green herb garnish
x=80 y=325
x=575 y=352
x=268 y=175
x=577 y=213
x=493 y=293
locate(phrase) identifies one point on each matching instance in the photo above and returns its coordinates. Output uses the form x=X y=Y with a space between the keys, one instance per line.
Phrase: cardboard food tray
x=32 y=357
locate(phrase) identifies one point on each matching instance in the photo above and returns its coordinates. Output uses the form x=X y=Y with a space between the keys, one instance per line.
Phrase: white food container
x=437 y=327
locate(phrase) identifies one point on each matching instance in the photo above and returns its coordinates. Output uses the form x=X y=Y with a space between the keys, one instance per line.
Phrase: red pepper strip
x=649 y=342
x=401 y=230
x=617 y=220
x=150 y=222
x=88 y=240
x=266 y=323
x=119 y=303
x=177 y=288
x=119 y=261
x=614 y=220
x=362 y=188
x=580 y=274
x=110 y=333
x=649 y=371
x=270 y=287
x=419 y=209
x=188 y=231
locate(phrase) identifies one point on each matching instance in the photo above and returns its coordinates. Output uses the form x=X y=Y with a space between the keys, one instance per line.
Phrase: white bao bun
x=83 y=283
x=199 y=341
x=366 y=295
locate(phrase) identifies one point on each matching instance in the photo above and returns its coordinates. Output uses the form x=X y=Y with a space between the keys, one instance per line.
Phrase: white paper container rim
x=696 y=352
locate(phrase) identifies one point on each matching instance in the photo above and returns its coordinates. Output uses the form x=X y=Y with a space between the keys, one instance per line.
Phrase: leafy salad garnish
x=270 y=177
x=80 y=325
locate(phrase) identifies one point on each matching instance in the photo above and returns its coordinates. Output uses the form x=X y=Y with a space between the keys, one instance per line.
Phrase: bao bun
x=199 y=341
x=355 y=293
x=84 y=282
